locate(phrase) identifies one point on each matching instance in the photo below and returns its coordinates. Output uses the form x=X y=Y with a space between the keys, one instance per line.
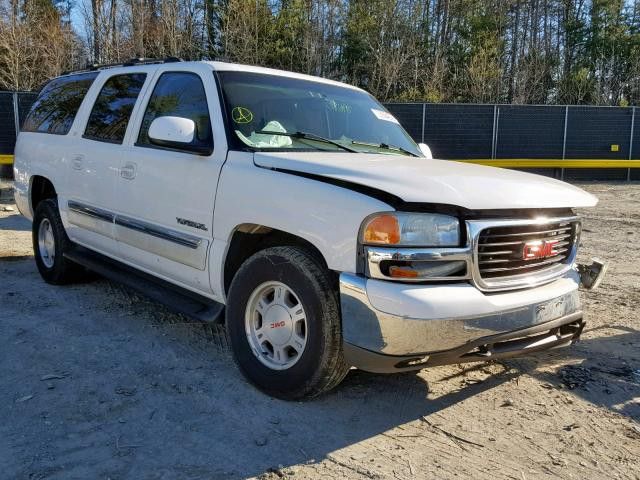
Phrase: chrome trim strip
x=376 y=255
x=90 y=211
x=525 y=280
x=168 y=234
x=159 y=232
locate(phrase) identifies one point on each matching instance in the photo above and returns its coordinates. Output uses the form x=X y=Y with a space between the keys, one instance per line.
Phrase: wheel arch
x=40 y=188
x=246 y=239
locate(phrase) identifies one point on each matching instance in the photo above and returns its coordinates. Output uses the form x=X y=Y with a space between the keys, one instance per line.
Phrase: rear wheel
x=50 y=242
x=284 y=324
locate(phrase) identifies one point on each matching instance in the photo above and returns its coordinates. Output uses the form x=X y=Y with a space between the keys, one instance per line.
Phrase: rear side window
x=179 y=94
x=110 y=114
x=55 y=108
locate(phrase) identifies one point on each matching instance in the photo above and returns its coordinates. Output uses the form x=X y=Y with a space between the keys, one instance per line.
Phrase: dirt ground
x=96 y=382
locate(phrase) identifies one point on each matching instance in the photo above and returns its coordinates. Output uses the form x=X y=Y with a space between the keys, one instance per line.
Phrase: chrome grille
x=500 y=249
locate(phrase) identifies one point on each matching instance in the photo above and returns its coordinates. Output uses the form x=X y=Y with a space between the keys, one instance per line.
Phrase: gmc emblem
x=539 y=249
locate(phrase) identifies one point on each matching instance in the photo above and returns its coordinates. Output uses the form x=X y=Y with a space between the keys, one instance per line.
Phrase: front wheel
x=284 y=324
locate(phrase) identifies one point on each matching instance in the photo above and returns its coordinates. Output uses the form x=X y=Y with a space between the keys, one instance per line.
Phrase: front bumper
x=390 y=326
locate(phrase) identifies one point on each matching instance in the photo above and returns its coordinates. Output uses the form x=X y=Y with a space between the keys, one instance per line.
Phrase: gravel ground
x=99 y=383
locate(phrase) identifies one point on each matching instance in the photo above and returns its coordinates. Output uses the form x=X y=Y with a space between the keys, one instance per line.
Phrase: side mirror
x=426 y=151
x=175 y=132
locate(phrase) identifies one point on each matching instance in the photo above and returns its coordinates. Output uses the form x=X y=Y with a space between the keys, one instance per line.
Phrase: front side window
x=55 y=108
x=179 y=94
x=111 y=112
x=276 y=112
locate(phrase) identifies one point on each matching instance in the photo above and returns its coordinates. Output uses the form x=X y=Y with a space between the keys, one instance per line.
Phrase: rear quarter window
x=57 y=104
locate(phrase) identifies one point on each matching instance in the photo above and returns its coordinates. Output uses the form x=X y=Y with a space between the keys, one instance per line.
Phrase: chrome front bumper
x=389 y=326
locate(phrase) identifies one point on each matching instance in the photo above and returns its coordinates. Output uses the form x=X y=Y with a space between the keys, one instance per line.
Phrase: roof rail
x=92 y=67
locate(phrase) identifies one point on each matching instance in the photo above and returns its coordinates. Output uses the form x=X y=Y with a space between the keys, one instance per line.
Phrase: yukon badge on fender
x=191 y=223
x=299 y=212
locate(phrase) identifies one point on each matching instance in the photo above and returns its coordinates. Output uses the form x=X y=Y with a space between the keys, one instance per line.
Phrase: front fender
x=325 y=215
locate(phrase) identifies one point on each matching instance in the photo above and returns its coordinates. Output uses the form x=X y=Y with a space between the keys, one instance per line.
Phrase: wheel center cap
x=278 y=325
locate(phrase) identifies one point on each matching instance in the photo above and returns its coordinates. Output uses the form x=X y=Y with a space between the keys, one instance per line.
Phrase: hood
x=413 y=179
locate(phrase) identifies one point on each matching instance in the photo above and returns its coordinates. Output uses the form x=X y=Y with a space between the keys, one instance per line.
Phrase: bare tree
x=34 y=46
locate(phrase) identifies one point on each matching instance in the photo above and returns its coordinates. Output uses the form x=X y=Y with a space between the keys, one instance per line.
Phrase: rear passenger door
x=94 y=160
x=166 y=195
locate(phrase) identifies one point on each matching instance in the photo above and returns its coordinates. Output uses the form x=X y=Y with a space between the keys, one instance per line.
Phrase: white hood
x=412 y=179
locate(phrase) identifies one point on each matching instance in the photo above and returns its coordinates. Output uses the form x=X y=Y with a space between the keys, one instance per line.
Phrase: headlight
x=411 y=230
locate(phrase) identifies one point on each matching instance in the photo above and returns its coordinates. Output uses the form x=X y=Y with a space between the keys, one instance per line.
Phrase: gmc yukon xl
x=299 y=212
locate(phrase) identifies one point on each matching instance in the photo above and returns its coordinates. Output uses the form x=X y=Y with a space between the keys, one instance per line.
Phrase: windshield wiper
x=309 y=136
x=384 y=146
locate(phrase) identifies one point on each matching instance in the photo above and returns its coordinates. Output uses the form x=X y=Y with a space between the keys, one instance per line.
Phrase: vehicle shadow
x=270 y=434
x=15 y=222
x=189 y=413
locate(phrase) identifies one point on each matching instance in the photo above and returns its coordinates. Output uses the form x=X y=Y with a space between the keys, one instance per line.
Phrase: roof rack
x=92 y=67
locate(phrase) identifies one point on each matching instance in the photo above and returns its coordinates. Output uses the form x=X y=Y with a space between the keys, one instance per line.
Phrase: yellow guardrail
x=554 y=163
x=510 y=162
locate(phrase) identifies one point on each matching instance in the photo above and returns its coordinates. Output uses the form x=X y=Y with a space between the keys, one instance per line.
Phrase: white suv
x=298 y=211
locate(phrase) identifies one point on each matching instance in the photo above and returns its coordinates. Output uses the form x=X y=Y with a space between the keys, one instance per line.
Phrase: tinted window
x=57 y=105
x=179 y=94
x=110 y=115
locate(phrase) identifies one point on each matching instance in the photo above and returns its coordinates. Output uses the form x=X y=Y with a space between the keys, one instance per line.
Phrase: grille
x=501 y=249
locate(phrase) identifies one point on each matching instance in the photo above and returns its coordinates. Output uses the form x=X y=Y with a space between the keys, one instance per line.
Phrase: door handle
x=128 y=172
x=77 y=161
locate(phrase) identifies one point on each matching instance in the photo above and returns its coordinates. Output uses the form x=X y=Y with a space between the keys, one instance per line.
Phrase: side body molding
x=178 y=246
x=89 y=211
x=159 y=232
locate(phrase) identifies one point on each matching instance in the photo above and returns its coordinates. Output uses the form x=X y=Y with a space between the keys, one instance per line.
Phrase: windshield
x=264 y=109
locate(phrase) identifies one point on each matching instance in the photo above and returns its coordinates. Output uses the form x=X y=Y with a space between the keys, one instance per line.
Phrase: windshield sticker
x=382 y=115
x=241 y=115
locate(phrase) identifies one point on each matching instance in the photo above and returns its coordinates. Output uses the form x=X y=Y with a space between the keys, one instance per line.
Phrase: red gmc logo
x=277 y=324
x=539 y=249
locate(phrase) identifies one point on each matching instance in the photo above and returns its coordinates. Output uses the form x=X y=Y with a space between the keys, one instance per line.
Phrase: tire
x=319 y=364
x=52 y=265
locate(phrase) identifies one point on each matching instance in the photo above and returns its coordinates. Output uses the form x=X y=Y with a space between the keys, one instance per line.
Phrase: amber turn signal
x=383 y=230
x=403 y=272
